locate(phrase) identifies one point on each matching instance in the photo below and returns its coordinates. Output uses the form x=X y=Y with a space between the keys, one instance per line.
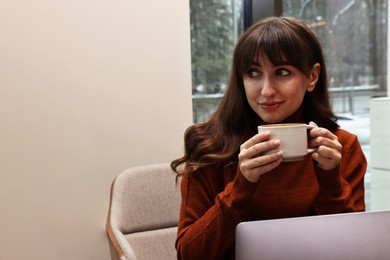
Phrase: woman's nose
x=267 y=89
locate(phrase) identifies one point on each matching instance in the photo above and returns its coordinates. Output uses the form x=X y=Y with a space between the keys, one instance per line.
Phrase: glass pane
x=353 y=35
x=215 y=26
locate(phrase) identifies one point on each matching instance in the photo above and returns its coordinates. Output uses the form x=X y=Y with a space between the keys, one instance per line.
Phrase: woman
x=278 y=76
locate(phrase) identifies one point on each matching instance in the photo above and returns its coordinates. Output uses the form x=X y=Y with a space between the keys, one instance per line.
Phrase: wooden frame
x=115 y=249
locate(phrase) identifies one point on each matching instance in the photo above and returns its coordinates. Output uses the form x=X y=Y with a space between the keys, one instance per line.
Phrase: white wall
x=380 y=150
x=380 y=144
x=87 y=89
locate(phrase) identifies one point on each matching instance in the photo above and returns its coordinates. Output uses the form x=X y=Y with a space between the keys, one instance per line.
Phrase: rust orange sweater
x=215 y=200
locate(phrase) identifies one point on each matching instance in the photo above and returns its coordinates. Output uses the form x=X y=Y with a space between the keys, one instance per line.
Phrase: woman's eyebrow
x=286 y=63
x=255 y=63
x=280 y=64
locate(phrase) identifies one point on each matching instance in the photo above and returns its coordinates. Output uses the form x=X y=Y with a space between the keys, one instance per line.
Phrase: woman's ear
x=313 y=77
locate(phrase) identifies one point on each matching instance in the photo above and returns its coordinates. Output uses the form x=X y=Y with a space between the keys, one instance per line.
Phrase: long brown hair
x=216 y=142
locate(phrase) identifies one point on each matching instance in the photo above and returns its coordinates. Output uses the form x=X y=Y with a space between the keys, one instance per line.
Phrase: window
x=215 y=27
x=353 y=34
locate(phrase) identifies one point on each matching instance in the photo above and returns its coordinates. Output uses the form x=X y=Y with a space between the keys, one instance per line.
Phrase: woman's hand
x=253 y=162
x=328 y=154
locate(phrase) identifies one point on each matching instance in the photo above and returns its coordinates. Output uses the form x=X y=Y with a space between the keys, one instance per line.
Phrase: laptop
x=355 y=236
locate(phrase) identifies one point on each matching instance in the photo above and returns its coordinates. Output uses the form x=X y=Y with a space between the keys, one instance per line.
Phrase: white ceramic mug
x=293 y=139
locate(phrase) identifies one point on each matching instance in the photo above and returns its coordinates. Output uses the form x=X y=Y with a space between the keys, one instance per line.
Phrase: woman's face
x=276 y=92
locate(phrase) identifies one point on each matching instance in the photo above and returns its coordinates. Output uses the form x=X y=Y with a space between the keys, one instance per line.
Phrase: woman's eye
x=283 y=72
x=253 y=73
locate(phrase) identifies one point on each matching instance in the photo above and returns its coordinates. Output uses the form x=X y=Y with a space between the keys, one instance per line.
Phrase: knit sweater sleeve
x=342 y=189
x=210 y=213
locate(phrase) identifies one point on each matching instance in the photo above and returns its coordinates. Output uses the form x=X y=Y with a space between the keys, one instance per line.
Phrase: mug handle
x=311 y=150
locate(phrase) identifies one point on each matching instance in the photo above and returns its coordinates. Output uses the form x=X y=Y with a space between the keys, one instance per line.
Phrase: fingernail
x=277 y=142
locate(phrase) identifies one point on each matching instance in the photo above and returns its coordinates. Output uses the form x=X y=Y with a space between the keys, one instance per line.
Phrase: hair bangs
x=282 y=47
x=281 y=44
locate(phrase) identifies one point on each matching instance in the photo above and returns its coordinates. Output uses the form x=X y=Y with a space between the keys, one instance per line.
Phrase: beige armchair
x=143 y=213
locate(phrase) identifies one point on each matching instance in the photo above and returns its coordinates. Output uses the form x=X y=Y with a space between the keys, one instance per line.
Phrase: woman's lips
x=270 y=105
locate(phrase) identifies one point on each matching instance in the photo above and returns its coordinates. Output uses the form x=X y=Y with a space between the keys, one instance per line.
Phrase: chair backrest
x=144 y=212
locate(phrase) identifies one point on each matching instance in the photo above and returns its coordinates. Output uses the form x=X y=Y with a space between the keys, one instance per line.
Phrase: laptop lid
x=364 y=235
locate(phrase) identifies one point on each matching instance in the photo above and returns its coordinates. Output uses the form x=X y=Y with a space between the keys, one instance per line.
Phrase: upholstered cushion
x=154 y=244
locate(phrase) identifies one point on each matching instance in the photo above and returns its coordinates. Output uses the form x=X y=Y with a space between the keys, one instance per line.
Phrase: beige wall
x=87 y=89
